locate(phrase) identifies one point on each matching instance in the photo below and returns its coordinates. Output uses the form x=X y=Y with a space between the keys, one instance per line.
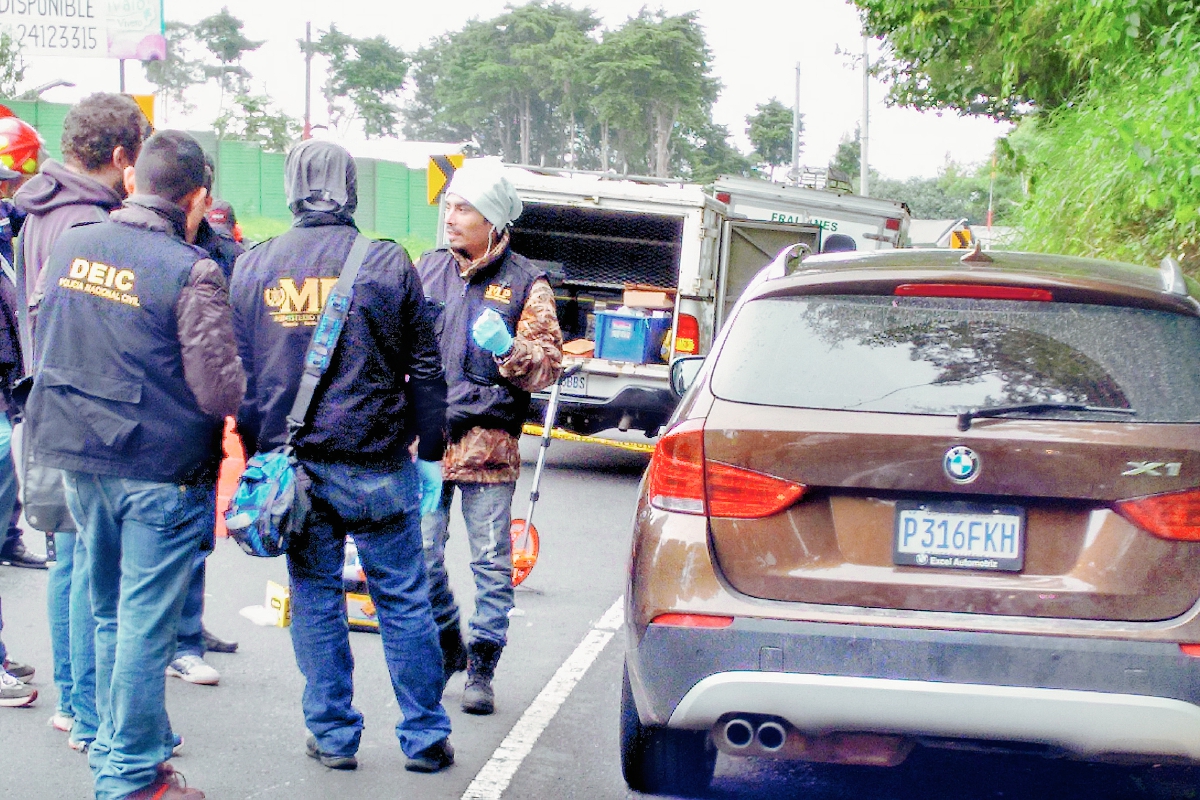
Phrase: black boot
x=478 y=697
x=454 y=652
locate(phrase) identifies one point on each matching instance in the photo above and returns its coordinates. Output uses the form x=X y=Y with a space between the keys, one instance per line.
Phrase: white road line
x=497 y=773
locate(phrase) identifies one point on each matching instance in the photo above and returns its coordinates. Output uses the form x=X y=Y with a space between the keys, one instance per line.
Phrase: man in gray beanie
x=500 y=341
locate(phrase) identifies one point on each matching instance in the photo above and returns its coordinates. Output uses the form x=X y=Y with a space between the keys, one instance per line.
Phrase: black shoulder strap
x=23 y=331
x=325 y=336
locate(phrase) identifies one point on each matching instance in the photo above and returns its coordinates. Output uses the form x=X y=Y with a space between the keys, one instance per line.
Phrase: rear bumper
x=1092 y=698
x=645 y=409
x=1092 y=725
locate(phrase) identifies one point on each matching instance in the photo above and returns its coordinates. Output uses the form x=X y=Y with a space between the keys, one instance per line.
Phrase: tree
x=1105 y=95
x=848 y=157
x=369 y=73
x=707 y=154
x=505 y=82
x=12 y=65
x=221 y=34
x=662 y=66
x=770 y=131
x=179 y=71
x=254 y=119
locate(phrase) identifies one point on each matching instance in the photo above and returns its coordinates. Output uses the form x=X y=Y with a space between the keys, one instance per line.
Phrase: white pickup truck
x=597 y=234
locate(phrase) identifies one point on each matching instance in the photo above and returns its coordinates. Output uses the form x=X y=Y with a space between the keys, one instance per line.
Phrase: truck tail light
x=892 y=224
x=687 y=335
x=682 y=480
x=1168 y=516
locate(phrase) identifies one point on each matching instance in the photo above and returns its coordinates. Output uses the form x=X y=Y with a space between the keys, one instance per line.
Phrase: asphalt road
x=245 y=737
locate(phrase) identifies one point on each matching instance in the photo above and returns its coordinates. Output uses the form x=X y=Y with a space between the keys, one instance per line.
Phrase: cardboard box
x=361 y=612
x=645 y=298
x=279 y=601
x=580 y=347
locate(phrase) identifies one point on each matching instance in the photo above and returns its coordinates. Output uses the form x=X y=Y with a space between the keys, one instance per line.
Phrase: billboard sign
x=100 y=28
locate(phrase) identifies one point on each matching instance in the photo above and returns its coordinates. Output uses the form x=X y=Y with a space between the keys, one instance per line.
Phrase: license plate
x=575 y=384
x=960 y=536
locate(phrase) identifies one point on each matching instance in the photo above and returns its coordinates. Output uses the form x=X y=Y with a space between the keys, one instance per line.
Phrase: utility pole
x=307 y=81
x=863 y=172
x=796 y=132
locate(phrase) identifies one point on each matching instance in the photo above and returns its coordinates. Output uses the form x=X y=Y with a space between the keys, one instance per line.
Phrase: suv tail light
x=1168 y=516
x=973 y=291
x=682 y=480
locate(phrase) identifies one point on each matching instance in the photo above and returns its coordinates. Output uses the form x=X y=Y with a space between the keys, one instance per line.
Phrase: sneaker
x=80 y=745
x=15 y=694
x=168 y=785
x=193 y=670
x=62 y=722
x=434 y=758
x=176 y=745
x=22 y=672
x=215 y=644
x=15 y=555
x=333 y=762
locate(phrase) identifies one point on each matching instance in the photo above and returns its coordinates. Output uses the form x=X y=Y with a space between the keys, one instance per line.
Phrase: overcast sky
x=756 y=45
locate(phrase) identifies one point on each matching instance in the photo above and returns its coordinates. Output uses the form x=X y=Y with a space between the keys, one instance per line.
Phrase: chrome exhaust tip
x=738 y=733
x=771 y=736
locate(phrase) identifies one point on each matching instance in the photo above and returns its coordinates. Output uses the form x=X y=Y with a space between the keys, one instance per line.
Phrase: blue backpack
x=270 y=504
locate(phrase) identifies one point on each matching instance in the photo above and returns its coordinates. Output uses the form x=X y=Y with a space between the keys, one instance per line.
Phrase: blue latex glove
x=431 y=484
x=490 y=333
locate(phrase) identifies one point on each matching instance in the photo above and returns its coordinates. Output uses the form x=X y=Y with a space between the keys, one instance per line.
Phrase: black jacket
x=136 y=366
x=384 y=386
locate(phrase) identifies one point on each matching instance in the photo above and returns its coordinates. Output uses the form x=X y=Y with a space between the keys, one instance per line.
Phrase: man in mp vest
x=382 y=393
x=136 y=368
x=500 y=341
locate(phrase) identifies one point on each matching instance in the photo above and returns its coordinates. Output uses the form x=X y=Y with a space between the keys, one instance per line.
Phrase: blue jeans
x=487 y=512
x=141 y=539
x=380 y=509
x=191 y=622
x=8 y=484
x=73 y=634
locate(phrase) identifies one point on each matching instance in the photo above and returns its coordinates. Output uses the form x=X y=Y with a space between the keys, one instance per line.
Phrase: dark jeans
x=380 y=509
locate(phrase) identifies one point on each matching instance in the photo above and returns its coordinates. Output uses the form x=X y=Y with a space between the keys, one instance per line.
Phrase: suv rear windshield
x=951 y=355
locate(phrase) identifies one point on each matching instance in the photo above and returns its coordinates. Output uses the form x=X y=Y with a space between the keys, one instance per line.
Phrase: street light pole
x=863 y=171
x=796 y=131
x=307 y=81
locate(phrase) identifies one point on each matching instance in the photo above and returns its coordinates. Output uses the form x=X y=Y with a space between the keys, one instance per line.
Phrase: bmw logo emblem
x=961 y=464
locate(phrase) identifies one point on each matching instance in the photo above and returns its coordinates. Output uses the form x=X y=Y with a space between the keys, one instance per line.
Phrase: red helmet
x=21 y=148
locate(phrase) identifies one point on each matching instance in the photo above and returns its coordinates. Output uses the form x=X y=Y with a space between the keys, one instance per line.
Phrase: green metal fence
x=391 y=197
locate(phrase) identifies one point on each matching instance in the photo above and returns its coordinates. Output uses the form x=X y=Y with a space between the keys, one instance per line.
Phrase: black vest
x=477 y=395
x=109 y=394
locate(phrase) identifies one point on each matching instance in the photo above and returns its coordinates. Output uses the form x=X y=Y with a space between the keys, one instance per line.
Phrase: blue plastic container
x=630 y=337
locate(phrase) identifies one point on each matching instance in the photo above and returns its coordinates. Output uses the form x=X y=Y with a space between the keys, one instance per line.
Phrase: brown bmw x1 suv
x=915 y=499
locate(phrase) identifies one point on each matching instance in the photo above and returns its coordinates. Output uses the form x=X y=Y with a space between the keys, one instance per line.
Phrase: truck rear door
x=747 y=247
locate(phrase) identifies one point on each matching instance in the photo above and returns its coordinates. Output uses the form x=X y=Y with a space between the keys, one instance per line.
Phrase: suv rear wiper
x=964 y=419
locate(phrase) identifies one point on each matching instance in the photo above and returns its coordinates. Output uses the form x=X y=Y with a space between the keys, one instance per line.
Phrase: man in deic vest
x=383 y=390
x=136 y=368
x=500 y=340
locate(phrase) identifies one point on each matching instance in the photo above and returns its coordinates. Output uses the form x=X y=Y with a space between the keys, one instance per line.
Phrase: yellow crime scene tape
x=559 y=433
